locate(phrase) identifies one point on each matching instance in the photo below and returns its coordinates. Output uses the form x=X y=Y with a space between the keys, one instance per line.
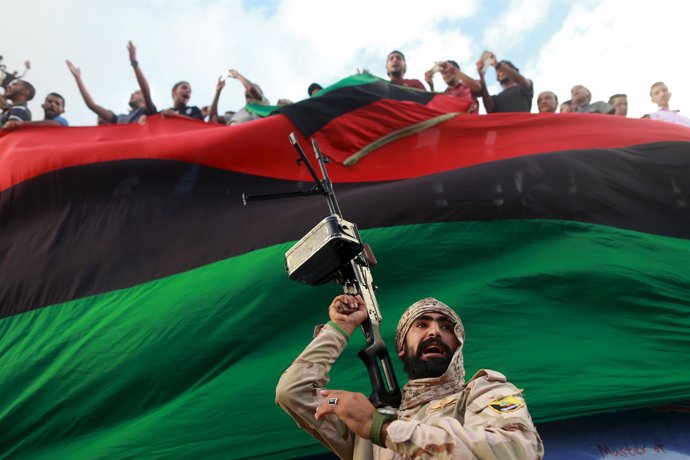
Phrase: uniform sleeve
x=299 y=387
x=496 y=425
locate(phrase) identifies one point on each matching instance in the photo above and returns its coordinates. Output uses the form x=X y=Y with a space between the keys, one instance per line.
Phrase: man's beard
x=504 y=81
x=396 y=73
x=418 y=368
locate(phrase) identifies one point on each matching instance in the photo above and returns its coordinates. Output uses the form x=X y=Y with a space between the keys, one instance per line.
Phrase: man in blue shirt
x=53 y=108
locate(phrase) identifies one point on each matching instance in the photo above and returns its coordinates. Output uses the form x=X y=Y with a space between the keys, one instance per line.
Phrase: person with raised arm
x=140 y=102
x=459 y=83
x=441 y=415
x=517 y=91
x=252 y=95
x=213 y=111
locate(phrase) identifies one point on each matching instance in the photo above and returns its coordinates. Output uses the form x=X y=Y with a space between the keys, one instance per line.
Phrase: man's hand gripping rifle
x=333 y=250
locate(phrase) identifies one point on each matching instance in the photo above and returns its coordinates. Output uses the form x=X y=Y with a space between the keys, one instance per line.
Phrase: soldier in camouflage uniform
x=440 y=416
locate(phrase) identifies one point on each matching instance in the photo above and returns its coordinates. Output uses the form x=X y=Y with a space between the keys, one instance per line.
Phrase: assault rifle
x=334 y=251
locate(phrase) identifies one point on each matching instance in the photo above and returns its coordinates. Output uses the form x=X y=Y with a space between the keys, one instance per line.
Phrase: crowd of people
x=516 y=95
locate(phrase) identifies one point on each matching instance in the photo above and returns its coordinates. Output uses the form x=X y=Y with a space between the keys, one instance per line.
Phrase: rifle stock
x=357 y=279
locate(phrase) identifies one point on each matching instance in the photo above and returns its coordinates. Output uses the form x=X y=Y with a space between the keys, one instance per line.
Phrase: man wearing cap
x=441 y=415
x=313 y=89
x=396 y=66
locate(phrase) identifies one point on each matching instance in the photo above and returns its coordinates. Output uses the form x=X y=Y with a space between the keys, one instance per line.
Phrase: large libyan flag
x=145 y=311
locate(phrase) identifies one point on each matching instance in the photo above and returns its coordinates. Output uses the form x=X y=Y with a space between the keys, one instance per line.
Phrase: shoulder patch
x=507 y=405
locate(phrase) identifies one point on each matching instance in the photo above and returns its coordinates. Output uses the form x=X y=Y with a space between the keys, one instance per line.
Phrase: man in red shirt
x=396 y=67
x=459 y=84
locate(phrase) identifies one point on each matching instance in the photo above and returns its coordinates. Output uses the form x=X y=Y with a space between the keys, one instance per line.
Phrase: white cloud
x=618 y=47
x=301 y=42
x=610 y=46
x=508 y=31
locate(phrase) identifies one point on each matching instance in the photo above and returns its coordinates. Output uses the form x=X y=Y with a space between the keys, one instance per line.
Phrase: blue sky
x=609 y=46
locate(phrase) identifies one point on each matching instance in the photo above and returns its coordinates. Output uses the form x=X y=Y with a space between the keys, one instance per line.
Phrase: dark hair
x=615 y=96
x=58 y=95
x=568 y=102
x=510 y=64
x=29 y=88
x=178 y=84
x=396 y=52
x=453 y=63
x=314 y=87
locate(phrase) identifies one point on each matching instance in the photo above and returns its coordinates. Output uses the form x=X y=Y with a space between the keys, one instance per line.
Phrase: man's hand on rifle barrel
x=348 y=312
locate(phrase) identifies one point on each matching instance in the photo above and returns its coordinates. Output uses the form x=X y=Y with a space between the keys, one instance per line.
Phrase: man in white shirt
x=661 y=96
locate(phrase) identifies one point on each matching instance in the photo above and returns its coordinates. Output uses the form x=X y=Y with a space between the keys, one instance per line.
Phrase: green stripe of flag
x=264 y=110
x=585 y=318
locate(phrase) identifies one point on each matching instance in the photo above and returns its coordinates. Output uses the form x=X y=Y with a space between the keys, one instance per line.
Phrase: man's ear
x=401 y=353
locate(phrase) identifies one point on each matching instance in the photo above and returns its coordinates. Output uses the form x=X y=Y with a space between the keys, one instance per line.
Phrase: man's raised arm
x=440 y=416
x=474 y=85
x=143 y=84
x=95 y=108
x=516 y=76
x=489 y=105
x=213 y=111
x=299 y=391
x=249 y=87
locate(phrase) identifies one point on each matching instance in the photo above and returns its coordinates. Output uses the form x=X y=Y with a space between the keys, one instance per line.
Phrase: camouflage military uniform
x=485 y=419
